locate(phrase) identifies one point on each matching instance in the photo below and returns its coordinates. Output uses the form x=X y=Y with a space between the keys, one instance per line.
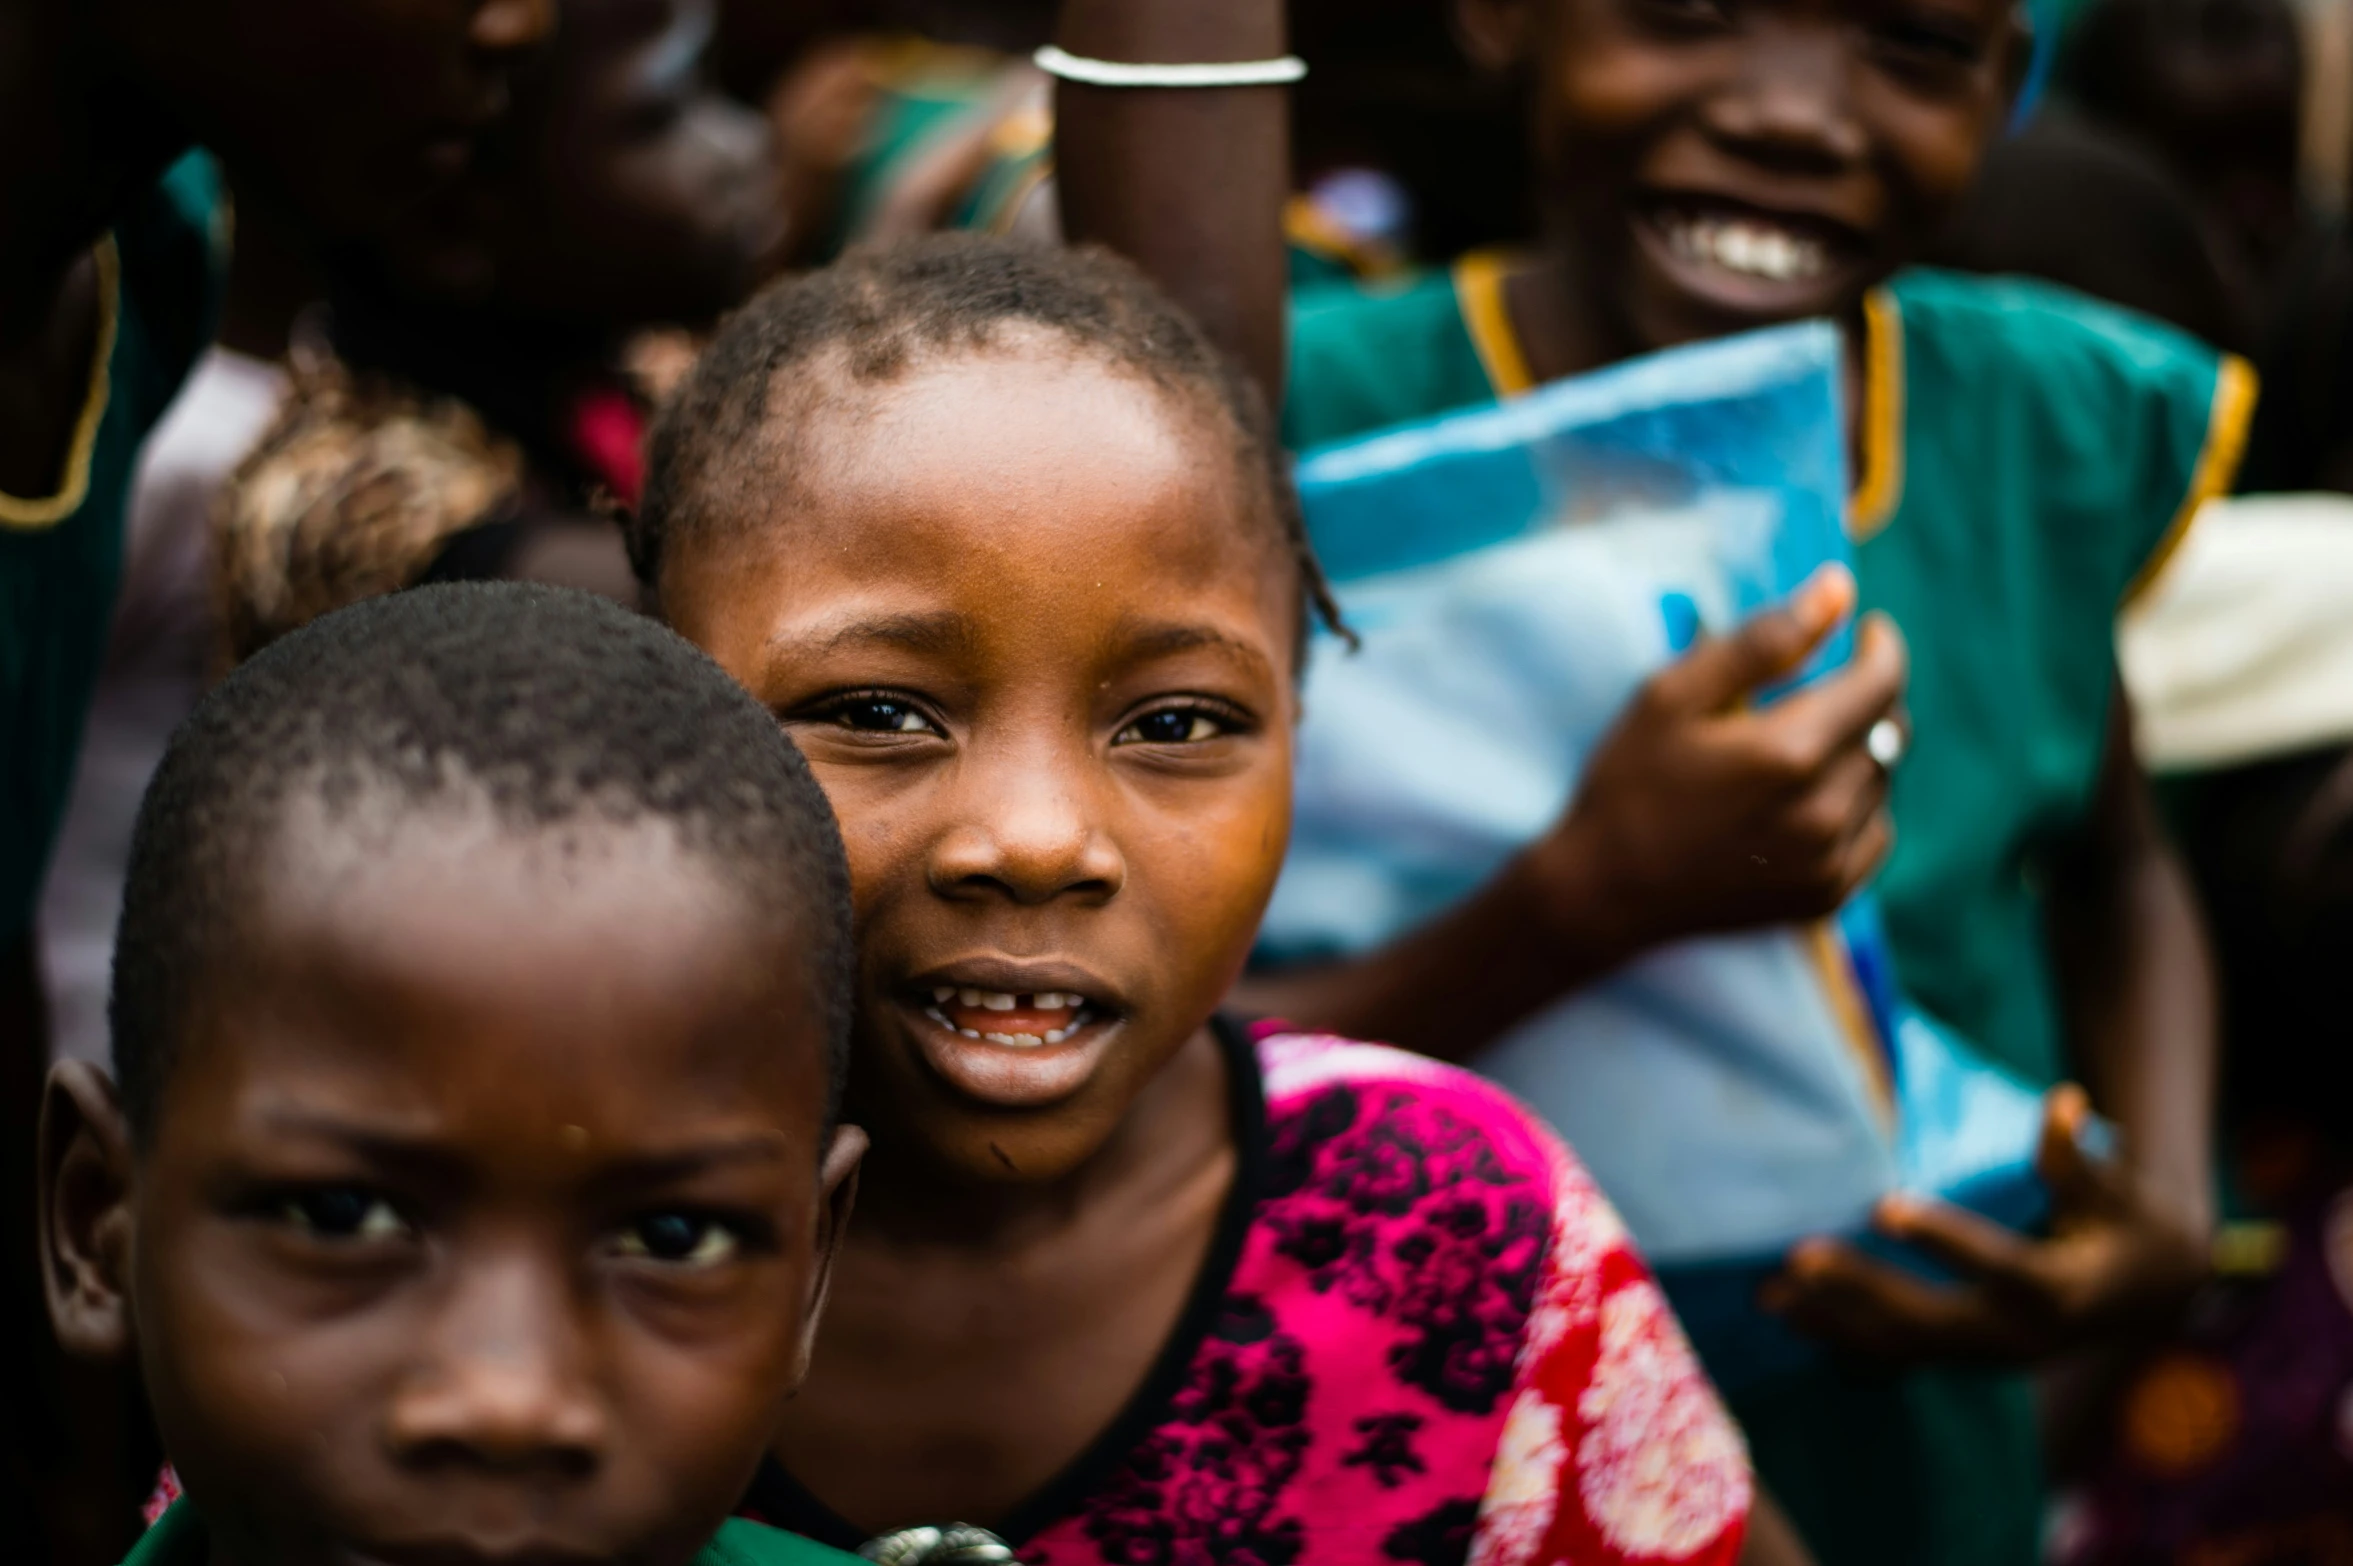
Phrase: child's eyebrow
x=935 y=633
x=428 y=1154
x=1142 y=641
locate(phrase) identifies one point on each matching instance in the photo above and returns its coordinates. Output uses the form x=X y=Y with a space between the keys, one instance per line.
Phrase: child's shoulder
x=1368 y=355
x=2028 y=334
x=1323 y=1090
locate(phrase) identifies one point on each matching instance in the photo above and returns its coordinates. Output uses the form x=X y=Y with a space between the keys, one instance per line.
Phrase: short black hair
x=881 y=311
x=544 y=704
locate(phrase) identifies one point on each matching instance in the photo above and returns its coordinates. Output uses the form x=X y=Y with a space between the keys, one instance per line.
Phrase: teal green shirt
x=2029 y=459
x=178 y=1539
x=160 y=273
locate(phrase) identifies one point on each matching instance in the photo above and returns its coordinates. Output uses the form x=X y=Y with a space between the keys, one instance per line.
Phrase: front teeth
x=1751 y=248
x=1000 y=1000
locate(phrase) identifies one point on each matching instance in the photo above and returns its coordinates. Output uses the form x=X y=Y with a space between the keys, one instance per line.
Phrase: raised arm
x=1188 y=183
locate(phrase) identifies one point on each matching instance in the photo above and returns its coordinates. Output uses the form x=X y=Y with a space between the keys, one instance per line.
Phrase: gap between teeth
x=1001 y=1000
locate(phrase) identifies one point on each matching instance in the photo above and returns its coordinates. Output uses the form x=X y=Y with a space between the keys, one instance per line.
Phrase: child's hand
x=1702 y=813
x=2114 y=1258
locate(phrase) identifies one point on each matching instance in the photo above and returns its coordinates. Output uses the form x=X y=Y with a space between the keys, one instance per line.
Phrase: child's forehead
x=450 y=940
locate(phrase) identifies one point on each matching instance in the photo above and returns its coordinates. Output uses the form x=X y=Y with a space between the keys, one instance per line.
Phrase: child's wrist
x=1561 y=888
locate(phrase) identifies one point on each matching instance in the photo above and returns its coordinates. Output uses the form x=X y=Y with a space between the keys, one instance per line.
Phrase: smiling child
x=2025 y=459
x=1009 y=550
x=475 y=1168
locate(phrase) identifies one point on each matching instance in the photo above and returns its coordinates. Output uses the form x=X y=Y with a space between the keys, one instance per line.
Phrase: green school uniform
x=178 y=1539
x=2030 y=458
x=159 y=280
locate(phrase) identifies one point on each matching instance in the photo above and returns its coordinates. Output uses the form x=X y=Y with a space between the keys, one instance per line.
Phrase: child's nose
x=500 y=1382
x=1791 y=102
x=1032 y=839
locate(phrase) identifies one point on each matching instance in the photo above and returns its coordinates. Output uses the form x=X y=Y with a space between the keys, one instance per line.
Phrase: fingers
x=2079 y=1182
x=1960 y=1239
x=1836 y=711
x=1835 y=1292
x=1722 y=670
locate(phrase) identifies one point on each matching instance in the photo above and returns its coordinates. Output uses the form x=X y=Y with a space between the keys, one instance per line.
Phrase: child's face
x=1715 y=165
x=620 y=150
x=485 y=1215
x=350 y=110
x=1015 y=611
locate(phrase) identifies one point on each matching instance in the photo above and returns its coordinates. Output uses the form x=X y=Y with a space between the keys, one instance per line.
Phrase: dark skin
x=1835 y=136
x=2128 y=1240
x=623 y=192
x=624 y=188
x=1091 y=802
x=1852 y=127
x=97 y=99
x=436 y=1251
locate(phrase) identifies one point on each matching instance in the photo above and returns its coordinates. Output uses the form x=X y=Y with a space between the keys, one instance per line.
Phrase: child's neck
x=1555 y=313
x=77 y=145
x=1562 y=331
x=1178 y=1125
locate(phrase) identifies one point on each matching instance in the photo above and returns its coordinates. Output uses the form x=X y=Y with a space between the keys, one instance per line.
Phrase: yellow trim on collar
x=2231 y=412
x=1880 y=484
x=32 y=515
x=1478 y=287
x=1852 y=1012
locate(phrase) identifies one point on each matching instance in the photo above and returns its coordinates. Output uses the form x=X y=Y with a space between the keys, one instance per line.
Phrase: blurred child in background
x=109 y=270
x=2233 y=1441
x=2024 y=458
x=474 y=403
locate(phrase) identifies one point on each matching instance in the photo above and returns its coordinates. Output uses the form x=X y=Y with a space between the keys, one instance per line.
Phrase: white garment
x=158 y=661
x=2244 y=646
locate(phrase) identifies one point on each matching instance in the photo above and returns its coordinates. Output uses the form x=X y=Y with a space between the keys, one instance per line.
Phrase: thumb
x=1768 y=646
x=2079 y=1181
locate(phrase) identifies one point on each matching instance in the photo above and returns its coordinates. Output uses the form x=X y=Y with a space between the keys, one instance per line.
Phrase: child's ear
x=837 y=1176
x=85 y=1212
x=1494 y=33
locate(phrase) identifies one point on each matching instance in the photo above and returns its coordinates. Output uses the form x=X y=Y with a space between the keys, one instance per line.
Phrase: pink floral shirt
x=1422 y=1336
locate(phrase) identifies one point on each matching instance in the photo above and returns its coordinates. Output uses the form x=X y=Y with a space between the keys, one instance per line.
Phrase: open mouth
x=1021 y=1021
x=1747 y=252
x=1009 y=1035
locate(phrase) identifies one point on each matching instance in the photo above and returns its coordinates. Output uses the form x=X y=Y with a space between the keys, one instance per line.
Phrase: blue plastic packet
x=1515 y=573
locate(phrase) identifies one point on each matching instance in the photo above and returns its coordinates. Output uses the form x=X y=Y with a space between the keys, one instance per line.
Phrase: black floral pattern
x=1205 y=1489
x=1407 y=1211
x=1386 y=1448
x=1439 y=1537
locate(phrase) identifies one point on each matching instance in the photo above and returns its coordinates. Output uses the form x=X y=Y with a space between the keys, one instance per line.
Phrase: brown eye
x=880 y=715
x=1174 y=726
x=1928 y=44
x=679 y=1239
x=342 y=1212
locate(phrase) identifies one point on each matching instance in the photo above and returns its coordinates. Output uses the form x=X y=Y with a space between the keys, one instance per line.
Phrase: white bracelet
x=1121 y=73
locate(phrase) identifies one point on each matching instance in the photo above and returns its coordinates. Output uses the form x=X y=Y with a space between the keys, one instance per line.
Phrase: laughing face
x=1715 y=165
x=1018 y=614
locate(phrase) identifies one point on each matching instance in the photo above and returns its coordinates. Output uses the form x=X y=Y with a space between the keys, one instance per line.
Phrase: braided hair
x=878 y=313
